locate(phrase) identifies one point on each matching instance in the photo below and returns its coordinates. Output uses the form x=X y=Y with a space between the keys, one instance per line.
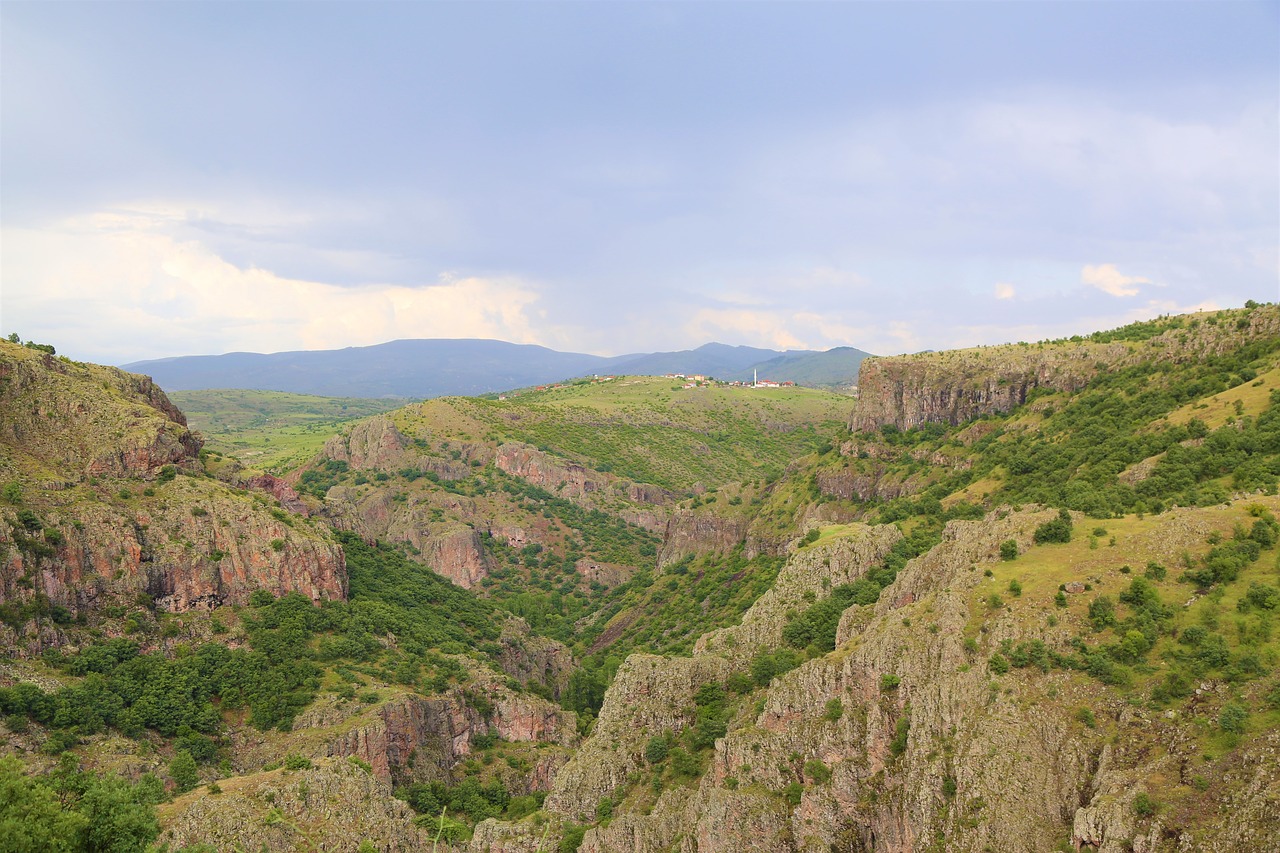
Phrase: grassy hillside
x=652 y=430
x=271 y=430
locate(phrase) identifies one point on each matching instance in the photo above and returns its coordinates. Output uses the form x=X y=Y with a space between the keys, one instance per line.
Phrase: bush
x=294 y=761
x=1144 y=806
x=183 y=771
x=889 y=681
x=817 y=772
x=898 y=745
x=998 y=663
x=655 y=751
x=1232 y=718
x=1015 y=588
x=1058 y=530
x=834 y=710
x=1008 y=550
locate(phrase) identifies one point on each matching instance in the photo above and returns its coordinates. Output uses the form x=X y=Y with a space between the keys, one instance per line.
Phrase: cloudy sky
x=193 y=178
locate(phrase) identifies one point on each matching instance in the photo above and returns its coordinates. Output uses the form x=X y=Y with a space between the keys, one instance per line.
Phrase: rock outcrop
x=335 y=805
x=959 y=385
x=691 y=531
x=109 y=505
x=74 y=420
x=566 y=479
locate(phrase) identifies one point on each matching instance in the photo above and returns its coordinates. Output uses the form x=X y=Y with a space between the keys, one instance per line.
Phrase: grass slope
x=272 y=430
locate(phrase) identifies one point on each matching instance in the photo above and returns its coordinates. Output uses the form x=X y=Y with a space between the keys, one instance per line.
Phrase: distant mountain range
x=419 y=369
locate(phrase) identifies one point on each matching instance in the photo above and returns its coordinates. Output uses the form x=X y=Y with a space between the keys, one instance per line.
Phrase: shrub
x=655 y=751
x=294 y=761
x=817 y=772
x=277 y=545
x=889 y=681
x=1008 y=550
x=949 y=787
x=1015 y=588
x=1144 y=806
x=1233 y=717
x=1085 y=716
x=898 y=745
x=834 y=710
x=183 y=771
x=1057 y=530
x=998 y=663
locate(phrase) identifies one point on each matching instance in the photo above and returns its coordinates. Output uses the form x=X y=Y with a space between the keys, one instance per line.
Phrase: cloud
x=1005 y=291
x=117 y=287
x=1110 y=280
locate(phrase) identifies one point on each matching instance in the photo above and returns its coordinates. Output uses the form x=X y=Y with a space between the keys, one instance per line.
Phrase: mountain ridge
x=421 y=368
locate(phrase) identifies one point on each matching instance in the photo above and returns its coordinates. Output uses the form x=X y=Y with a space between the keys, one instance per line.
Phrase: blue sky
x=617 y=177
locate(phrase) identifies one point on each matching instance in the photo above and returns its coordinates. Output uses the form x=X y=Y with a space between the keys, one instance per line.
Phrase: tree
x=183 y=771
x=31 y=816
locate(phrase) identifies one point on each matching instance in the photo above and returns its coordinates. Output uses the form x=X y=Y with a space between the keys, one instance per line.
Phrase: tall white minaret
x=755 y=378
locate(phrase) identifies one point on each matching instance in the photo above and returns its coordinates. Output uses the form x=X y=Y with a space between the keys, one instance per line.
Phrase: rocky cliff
x=106 y=502
x=903 y=738
x=959 y=385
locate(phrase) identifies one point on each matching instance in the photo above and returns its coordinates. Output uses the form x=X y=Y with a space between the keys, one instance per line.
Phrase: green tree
x=183 y=771
x=32 y=819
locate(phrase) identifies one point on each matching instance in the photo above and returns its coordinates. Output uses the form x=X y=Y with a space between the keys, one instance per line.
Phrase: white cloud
x=118 y=286
x=1110 y=280
x=1005 y=291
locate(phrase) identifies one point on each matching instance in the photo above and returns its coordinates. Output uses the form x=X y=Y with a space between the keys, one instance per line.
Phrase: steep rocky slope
x=107 y=501
x=955 y=386
x=905 y=738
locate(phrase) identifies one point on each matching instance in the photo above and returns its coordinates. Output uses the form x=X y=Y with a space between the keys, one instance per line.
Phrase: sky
x=614 y=177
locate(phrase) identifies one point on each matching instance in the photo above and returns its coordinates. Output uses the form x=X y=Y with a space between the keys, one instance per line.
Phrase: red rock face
x=372 y=443
x=281 y=491
x=416 y=737
x=532 y=465
x=459 y=556
x=181 y=561
x=691 y=532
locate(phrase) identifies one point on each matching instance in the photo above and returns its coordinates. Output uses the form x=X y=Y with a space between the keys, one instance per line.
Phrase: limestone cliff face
x=960 y=385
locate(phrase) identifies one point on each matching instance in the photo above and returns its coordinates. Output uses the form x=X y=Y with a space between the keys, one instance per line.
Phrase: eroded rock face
x=957 y=386
x=527 y=657
x=281 y=811
x=886 y=792
x=423 y=738
x=181 y=560
x=649 y=695
x=370 y=443
x=85 y=420
x=693 y=532
x=808 y=574
x=548 y=472
x=960 y=385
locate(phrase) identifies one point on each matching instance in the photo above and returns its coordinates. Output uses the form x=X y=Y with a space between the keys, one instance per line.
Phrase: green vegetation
x=271 y=430
x=69 y=810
